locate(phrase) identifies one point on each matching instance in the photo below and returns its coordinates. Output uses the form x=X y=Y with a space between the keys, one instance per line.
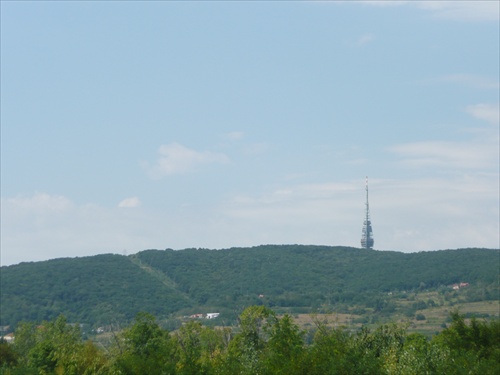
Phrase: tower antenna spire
x=366 y=232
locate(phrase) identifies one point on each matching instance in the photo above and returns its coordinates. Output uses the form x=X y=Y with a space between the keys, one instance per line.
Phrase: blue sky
x=134 y=125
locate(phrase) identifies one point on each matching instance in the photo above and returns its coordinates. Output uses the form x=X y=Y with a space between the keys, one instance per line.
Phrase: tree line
x=262 y=343
x=104 y=288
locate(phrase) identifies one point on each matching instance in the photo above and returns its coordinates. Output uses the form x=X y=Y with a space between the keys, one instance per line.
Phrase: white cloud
x=256 y=148
x=365 y=39
x=486 y=112
x=46 y=226
x=469 y=155
x=291 y=202
x=462 y=10
x=381 y=3
x=361 y=40
x=234 y=136
x=131 y=202
x=177 y=159
x=407 y=215
x=41 y=202
x=439 y=213
x=479 y=154
x=471 y=80
x=477 y=10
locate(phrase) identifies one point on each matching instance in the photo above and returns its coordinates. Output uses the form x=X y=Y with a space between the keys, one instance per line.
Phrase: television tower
x=367 y=233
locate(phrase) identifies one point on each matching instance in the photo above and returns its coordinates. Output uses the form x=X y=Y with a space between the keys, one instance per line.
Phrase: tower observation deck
x=367 y=233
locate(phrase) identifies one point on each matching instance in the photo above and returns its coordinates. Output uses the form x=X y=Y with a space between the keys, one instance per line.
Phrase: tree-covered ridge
x=98 y=289
x=262 y=343
x=275 y=270
x=103 y=289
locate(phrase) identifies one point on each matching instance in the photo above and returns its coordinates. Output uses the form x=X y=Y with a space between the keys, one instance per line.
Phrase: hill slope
x=98 y=289
x=108 y=288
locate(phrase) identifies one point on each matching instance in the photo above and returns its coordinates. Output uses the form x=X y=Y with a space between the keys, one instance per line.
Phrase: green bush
x=420 y=317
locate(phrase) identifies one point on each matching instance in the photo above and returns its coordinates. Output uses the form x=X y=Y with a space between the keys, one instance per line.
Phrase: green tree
x=285 y=347
x=145 y=348
x=214 y=343
x=50 y=347
x=474 y=346
x=246 y=348
x=8 y=357
x=336 y=351
x=419 y=356
x=26 y=335
x=189 y=349
x=56 y=347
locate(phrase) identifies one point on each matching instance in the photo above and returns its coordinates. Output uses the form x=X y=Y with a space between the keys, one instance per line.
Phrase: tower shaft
x=366 y=232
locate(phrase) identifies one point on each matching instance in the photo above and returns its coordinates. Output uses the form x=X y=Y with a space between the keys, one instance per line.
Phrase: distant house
x=196 y=316
x=9 y=337
x=458 y=286
x=212 y=315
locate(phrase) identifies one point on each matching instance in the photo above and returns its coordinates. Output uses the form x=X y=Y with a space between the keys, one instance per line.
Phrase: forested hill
x=106 y=288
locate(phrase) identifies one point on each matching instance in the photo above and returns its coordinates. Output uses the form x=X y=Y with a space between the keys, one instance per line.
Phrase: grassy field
x=429 y=320
x=307 y=321
x=437 y=317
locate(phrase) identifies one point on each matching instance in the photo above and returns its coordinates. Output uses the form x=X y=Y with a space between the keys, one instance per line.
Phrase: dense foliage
x=99 y=289
x=293 y=275
x=263 y=343
x=109 y=288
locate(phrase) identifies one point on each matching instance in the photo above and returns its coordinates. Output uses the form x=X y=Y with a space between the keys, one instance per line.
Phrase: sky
x=128 y=126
